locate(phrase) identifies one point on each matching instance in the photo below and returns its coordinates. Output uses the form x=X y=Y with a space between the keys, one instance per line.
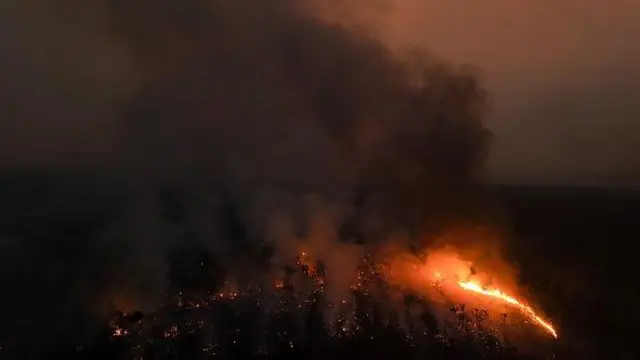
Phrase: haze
x=563 y=76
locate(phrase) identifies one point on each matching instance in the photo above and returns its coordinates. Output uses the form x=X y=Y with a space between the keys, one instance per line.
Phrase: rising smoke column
x=246 y=108
x=272 y=99
x=271 y=104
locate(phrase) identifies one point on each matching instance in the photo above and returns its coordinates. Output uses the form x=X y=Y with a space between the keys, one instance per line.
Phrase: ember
x=225 y=319
x=118 y=332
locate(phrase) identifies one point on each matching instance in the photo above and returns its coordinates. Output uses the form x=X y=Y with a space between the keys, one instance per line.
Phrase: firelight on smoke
x=496 y=293
x=445 y=267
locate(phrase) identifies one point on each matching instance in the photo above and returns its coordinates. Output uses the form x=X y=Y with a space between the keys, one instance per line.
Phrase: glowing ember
x=172 y=332
x=119 y=332
x=307 y=264
x=495 y=293
x=279 y=284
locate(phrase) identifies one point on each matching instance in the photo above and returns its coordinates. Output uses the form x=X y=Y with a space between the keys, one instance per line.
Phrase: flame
x=119 y=332
x=495 y=293
x=445 y=269
x=305 y=261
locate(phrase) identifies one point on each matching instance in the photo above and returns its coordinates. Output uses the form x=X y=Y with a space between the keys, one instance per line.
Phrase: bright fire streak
x=475 y=287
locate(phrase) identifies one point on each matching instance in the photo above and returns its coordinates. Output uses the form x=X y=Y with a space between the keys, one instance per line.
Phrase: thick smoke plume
x=255 y=127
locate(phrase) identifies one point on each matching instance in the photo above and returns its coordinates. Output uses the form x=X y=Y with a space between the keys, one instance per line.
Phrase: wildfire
x=446 y=270
x=495 y=293
x=448 y=276
x=119 y=332
x=279 y=284
x=446 y=266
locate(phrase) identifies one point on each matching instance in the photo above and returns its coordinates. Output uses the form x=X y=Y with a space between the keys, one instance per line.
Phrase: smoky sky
x=563 y=78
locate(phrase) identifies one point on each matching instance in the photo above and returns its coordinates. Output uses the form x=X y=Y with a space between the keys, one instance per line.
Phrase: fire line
x=495 y=293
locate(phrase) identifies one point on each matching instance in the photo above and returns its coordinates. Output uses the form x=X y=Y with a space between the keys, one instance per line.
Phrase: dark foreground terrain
x=576 y=246
x=575 y=249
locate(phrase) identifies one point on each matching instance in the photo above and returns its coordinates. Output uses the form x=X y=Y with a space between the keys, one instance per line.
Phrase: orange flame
x=444 y=267
x=495 y=293
x=119 y=332
x=305 y=260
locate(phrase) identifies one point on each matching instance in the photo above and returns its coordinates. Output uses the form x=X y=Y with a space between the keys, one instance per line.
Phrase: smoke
x=238 y=126
x=268 y=102
x=575 y=79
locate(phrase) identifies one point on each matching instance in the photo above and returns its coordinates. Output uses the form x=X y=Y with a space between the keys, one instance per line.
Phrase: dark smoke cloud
x=564 y=94
x=233 y=124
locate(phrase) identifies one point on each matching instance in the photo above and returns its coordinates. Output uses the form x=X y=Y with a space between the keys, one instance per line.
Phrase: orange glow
x=495 y=293
x=456 y=279
x=279 y=284
x=307 y=263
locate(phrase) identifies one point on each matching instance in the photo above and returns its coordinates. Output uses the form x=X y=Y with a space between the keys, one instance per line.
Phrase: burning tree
x=282 y=320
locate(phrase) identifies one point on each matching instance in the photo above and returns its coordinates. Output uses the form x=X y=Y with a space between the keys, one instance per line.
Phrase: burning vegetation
x=501 y=296
x=445 y=269
x=263 y=157
x=291 y=315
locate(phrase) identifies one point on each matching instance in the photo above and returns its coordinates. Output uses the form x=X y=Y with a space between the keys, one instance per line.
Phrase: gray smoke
x=236 y=120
